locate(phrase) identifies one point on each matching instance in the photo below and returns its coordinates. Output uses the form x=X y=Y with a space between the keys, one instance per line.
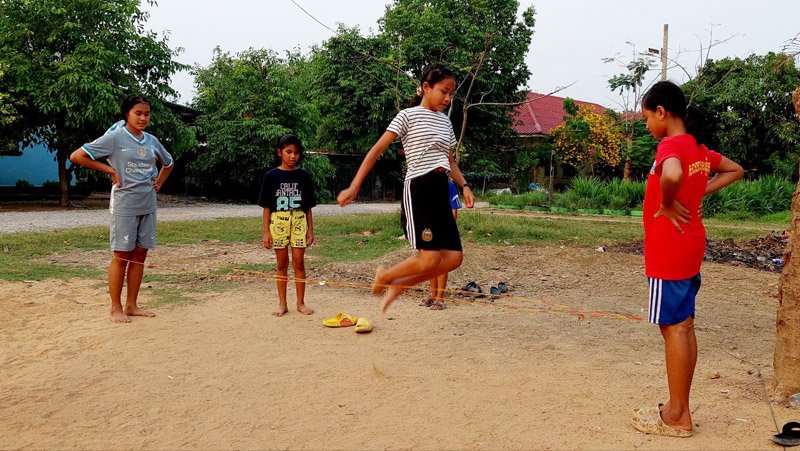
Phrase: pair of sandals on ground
x=471 y=289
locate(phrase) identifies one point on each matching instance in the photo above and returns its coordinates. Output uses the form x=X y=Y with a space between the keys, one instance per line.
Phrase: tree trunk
x=628 y=169
x=61 y=157
x=786 y=359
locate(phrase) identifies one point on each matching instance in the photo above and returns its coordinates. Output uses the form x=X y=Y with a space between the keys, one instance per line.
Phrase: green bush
x=322 y=172
x=763 y=196
x=741 y=201
x=530 y=199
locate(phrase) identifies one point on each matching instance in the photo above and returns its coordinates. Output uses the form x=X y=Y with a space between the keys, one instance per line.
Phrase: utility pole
x=664 y=53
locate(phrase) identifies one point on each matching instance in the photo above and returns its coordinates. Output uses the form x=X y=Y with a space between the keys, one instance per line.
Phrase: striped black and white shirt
x=427 y=138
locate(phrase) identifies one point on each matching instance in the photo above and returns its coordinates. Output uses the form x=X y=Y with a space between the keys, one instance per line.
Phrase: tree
x=786 y=358
x=357 y=89
x=485 y=43
x=246 y=104
x=485 y=168
x=629 y=85
x=586 y=139
x=8 y=115
x=748 y=110
x=69 y=63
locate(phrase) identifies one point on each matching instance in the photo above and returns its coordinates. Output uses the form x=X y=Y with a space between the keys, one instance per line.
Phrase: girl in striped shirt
x=428 y=139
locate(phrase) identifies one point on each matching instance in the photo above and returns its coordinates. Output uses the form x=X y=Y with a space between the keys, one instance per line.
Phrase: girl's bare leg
x=116 y=278
x=680 y=348
x=299 y=266
x=424 y=262
x=434 y=288
x=135 y=275
x=282 y=256
x=446 y=261
x=441 y=284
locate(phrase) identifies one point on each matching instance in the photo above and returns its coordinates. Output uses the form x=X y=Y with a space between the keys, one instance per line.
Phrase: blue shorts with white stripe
x=672 y=301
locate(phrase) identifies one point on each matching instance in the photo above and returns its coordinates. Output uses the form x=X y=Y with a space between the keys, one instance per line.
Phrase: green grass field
x=348 y=238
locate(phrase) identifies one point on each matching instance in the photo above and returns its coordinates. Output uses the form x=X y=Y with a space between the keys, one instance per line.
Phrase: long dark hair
x=130 y=102
x=670 y=96
x=431 y=74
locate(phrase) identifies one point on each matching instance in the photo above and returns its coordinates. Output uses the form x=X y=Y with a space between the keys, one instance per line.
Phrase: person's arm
x=165 y=171
x=310 y=228
x=458 y=179
x=80 y=157
x=727 y=173
x=348 y=195
x=671 y=179
x=266 y=237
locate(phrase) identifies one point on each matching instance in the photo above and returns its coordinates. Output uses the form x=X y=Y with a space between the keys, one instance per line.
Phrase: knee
x=453 y=260
x=430 y=260
x=458 y=258
x=121 y=259
x=298 y=265
x=681 y=329
x=139 y=254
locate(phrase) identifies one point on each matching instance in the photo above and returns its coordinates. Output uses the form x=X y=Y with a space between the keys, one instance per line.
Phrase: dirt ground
x=558 y=363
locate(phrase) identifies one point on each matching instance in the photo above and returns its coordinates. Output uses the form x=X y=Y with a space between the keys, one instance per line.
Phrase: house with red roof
x=536 y=118
x=541 y=113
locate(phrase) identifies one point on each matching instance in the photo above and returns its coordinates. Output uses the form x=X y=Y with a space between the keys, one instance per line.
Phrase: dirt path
x=518 y=373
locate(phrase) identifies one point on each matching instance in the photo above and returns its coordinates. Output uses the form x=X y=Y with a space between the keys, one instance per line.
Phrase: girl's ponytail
x=696 y=125
x=417 y=99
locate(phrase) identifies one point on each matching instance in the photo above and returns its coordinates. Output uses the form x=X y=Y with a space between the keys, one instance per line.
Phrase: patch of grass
x=228 y=230
x=171 y=296
x=358 y=237
x=484 y=228
x=19 y=250
x=255 y=267
x=340 y=239
x=175 y=289
x=783 y=217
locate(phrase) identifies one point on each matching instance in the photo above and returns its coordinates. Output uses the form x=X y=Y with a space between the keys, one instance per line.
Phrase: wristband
x=466 y=185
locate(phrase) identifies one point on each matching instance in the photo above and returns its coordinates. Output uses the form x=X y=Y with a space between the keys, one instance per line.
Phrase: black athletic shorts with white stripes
x=426 y=215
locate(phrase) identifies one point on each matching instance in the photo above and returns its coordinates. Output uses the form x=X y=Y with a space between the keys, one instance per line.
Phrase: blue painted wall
x=36 y=165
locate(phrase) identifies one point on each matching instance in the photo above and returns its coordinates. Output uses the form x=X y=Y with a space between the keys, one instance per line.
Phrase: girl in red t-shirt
x=674 y=244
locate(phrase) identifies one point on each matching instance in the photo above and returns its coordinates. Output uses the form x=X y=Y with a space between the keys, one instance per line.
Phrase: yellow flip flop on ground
x=363 y=326
x=340 y=320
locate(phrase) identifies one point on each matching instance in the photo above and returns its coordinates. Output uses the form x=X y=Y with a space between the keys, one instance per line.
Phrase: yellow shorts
x=288 y=228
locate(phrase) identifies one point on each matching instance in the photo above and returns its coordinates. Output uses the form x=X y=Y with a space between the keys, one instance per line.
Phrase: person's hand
x=267 y=240
x=469 y=198
x=676 y=213
x=115 y=181
x=156 y=186
x=309 y=238
x=347 y=196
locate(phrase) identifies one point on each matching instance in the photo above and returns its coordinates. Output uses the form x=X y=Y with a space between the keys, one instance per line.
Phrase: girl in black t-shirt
x=287 y=196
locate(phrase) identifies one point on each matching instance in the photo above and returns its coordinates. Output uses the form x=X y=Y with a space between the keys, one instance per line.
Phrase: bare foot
x=281 y=311
x=391 y=294
x=118 y=316
x=136 y=311
x=305 y=310
x=379 y=285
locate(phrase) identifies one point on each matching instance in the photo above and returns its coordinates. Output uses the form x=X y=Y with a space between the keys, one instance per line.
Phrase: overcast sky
x=570 y=37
